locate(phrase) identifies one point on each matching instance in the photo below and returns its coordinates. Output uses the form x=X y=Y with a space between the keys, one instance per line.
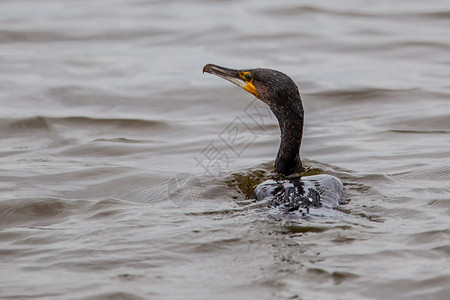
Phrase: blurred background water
x=117 y=176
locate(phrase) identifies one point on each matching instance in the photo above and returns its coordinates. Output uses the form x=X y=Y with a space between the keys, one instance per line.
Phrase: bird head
x=272 y=87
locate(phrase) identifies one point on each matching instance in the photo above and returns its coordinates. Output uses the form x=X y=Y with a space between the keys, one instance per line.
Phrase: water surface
x=119 y=178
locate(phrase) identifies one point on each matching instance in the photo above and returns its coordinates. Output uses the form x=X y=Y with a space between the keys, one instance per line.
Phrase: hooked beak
x=231 y=75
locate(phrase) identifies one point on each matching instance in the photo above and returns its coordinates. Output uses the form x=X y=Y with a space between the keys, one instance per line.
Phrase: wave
x=307 y=9
x=43 y=123
x=357 y=93
x=47 y=211
x=34 y=36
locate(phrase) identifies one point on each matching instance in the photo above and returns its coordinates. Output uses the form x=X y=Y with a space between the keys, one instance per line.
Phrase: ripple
x=36 y=36
x=299 y=10
x=337 y=277
x=43 y=123
x=122 y=140
x=116 y=295
x=24 y=124
x=359 y=94
x=48 y=211
x=32 y=211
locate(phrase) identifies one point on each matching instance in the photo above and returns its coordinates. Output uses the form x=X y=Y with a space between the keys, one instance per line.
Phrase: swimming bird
x=288 y=191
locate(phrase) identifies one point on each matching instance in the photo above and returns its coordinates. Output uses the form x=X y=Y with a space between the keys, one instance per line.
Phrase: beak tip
x=206 y=68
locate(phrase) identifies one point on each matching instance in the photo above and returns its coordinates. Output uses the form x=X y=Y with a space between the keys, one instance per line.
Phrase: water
x=111 y=183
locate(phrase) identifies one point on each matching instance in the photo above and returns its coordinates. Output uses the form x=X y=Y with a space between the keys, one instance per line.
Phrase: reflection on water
x=107 y=124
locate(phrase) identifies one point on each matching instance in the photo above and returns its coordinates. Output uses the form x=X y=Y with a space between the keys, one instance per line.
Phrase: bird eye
x=248 y=76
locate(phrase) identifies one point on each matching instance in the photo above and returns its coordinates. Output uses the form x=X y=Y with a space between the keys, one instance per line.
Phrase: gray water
x=121 y=178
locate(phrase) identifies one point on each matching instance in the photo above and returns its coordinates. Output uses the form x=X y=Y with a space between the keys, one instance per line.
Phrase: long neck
x=290 y=119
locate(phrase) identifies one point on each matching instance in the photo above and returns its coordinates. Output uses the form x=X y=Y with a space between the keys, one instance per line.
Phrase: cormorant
x=290 y=192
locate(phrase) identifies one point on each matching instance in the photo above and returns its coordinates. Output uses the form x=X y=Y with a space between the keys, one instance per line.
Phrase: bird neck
x=290 y=120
